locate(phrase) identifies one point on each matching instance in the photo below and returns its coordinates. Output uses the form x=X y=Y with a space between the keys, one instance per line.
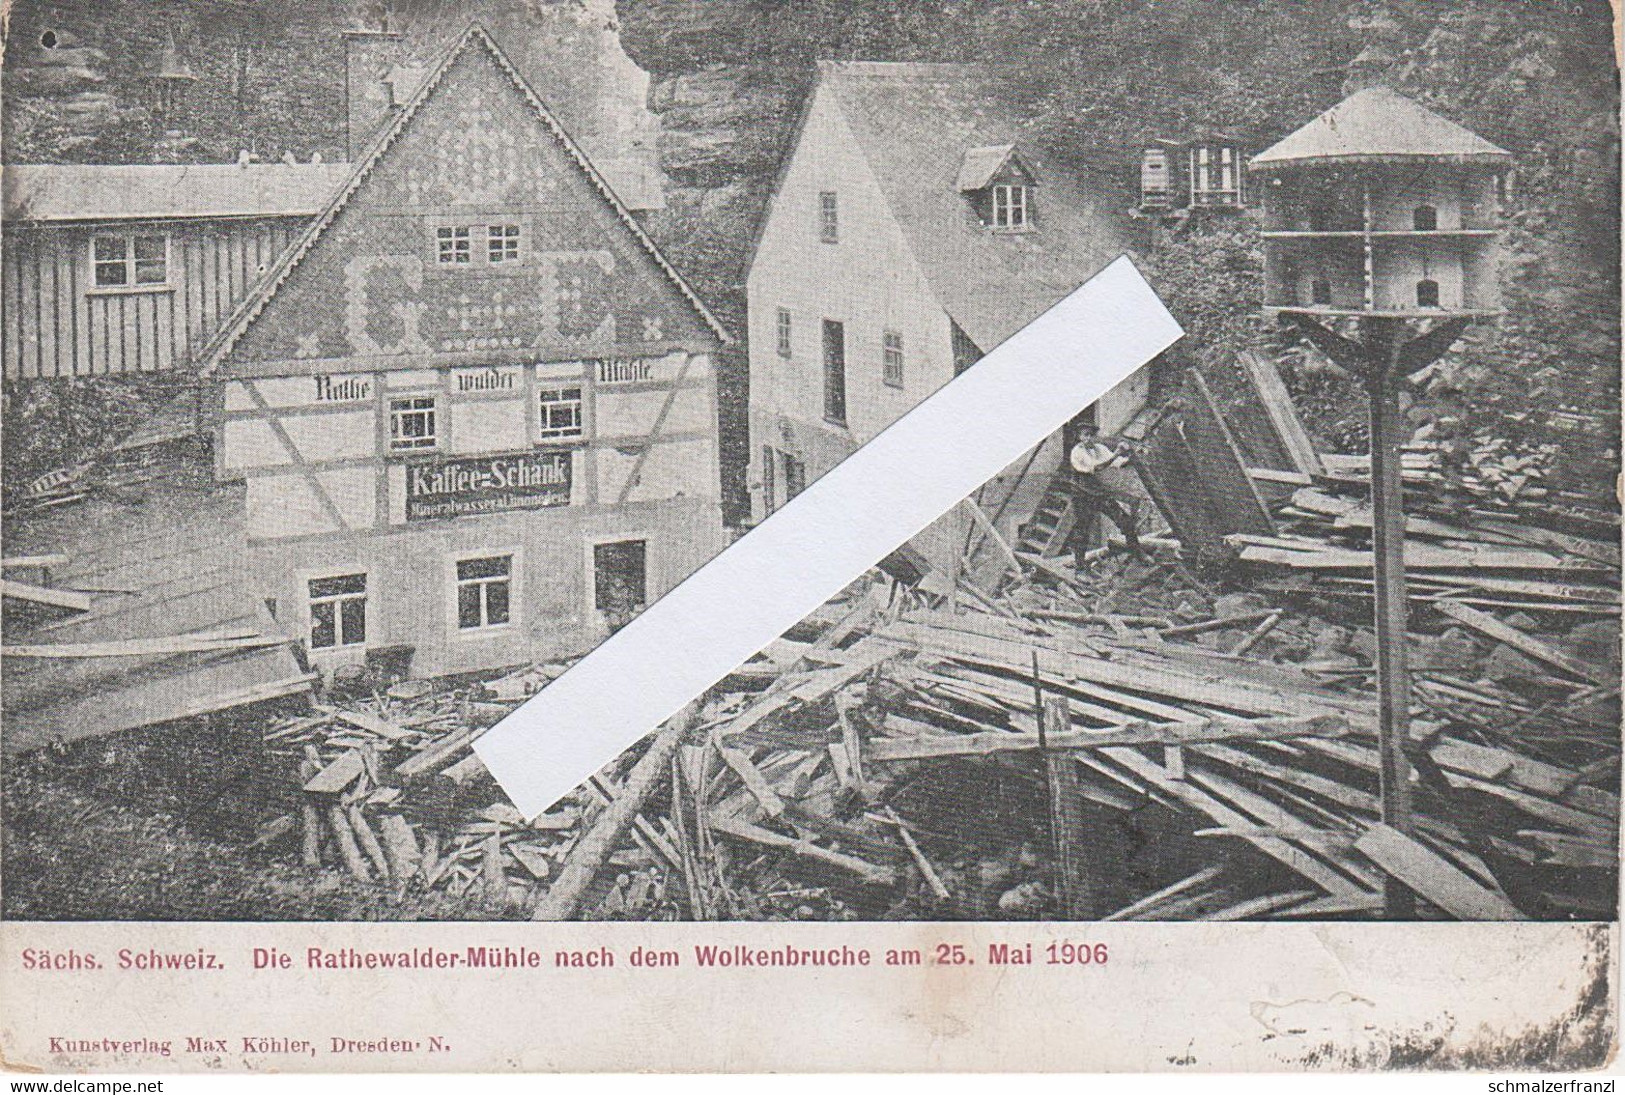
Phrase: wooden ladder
x=1046 y=534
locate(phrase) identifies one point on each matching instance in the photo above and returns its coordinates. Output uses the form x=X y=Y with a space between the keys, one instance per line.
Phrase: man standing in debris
x=1100 y=488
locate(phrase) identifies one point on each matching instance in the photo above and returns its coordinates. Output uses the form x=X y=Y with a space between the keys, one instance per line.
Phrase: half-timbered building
x=474 y=408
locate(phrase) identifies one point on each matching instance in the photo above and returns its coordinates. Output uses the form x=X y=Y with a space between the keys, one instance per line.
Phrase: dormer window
x=1215 y=174
x=1000 y=187
x=1010 y=206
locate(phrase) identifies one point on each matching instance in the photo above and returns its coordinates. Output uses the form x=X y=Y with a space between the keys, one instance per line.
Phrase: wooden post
x=1068 y=826
x=1381 y=336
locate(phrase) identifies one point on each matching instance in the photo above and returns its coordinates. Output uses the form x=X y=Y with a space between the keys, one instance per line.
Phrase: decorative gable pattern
x=544 y=262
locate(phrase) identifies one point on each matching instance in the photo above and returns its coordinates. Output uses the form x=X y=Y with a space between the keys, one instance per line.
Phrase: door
x=620 y=580
x=835 y=371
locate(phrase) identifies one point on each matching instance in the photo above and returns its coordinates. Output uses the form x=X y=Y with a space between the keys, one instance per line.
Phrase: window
x=412 y=423
x=502 y=243
x=129 y=260
x=1427 y=293
x=620 y=580
x=891 y=353
x=623 y=370
x=1010 y=207
x=452 y=246
x=338 y=611
x=1320 y=291
x=484 y=592
x=559 y=414
x=1425 y=218
x=1215 y=175
x=829 y=218
x=835 y=371
x=795 y=476
x=770 y=479
x=782 y=331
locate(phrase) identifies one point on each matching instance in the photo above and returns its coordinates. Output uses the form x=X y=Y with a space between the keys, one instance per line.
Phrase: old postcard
x=741 y=535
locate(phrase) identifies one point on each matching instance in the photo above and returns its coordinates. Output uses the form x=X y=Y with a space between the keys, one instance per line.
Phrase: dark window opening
x=1427 y=293
x=48 y=39
x=620 y=580
x=1425 y=218
x=1320 y=291
x=835 y=371
x=795 y=477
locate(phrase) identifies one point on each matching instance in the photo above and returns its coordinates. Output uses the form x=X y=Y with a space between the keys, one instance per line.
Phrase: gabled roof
x=110 y=192
x=1378 y=125
x=981 y=165
x=913 y=123
x=475 y=36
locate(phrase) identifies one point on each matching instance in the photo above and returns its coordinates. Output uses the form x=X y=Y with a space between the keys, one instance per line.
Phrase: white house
x=916 y=224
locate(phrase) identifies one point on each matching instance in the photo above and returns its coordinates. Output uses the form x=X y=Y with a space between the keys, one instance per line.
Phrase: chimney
x=370 y=56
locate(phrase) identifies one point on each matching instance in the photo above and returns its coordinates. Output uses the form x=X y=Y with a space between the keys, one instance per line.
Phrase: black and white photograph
x=370 y=365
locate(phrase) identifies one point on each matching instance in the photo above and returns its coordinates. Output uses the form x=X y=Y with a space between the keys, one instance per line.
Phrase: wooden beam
x=1203 y=732
x=138 y=648
x=1069 y=823
x=39 y=595
x=1431 y=875
x=46 y=561
x=1485 y=624
x=1283 y=414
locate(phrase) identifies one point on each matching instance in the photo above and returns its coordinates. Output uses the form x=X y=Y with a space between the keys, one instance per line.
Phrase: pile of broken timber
x=1125 y=691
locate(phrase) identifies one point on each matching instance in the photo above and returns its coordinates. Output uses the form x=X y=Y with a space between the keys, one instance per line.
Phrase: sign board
x=460 y=486
x=489 y=378
x=341 y=389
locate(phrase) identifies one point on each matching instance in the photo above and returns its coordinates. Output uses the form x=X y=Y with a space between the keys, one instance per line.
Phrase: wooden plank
x=755 y=782
x=1152 y=900
x=39 y=595
x=743 y=830
x=1433 y=877
x=1488 y=625
x=400 y=845
x=1203 y=732
x=1283 y=414
x=989 y=532
x=382 y=727
x=1069 y=823
x=1417 y=557
x=1283 y=852
x=45 y=561
x=338 y=774
x=135 y=648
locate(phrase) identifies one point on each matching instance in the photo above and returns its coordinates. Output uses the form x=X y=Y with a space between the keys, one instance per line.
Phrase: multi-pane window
x=412 y=423
x=1010 y=206
x=829 y=218
x=1215 y=175
x=338 y=611
x=559 y=413
x=781 y=331
x=129 y=260
x=502 y=243
x=891 y=358
x=484 y=592
x=452 y=246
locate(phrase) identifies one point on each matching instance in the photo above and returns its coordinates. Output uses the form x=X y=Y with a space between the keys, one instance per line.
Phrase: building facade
x=915 y=226
x=474 y=408
x=131 y=269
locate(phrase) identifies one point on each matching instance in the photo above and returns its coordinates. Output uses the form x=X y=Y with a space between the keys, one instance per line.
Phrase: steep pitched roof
x=914 y=124
x=1378 y=125
x=108 y=192
x=980 y=165
x=474 y=37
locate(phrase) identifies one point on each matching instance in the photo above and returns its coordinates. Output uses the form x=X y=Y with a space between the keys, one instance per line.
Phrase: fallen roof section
x=168 y=631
